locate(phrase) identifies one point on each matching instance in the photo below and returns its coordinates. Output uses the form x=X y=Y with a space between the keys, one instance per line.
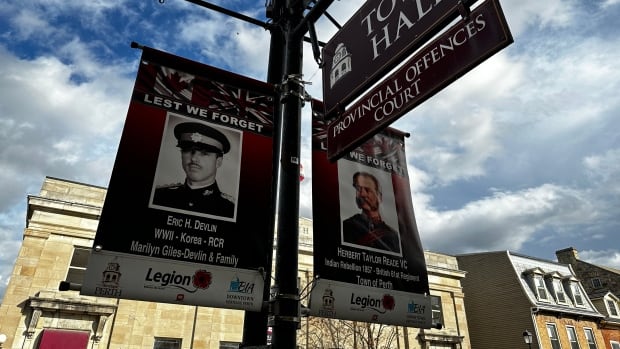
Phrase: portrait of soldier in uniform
x=202 y=149
x=367 y=228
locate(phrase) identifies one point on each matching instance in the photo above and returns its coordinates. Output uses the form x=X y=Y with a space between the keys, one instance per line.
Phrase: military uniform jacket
x=360 y=230
x=209 y=200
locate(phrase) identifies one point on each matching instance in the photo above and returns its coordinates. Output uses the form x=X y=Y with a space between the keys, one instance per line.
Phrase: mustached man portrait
x=368 y=209
x=198 y=169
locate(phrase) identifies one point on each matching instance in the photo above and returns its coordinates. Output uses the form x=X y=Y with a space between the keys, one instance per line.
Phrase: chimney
x=567 y=256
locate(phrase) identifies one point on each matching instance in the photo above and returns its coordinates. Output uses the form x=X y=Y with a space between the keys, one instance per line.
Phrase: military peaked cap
x=201 y=136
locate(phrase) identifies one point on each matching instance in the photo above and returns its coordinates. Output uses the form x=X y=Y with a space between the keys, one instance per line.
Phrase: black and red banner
x=368 y=257
x=189 y=123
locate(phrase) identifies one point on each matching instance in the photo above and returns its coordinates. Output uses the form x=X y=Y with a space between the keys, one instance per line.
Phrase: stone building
x=509 y=294
x=445 y=277
x=595 y=278
x=60 y=226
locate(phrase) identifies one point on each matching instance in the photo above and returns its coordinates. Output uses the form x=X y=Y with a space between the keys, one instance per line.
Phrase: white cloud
x=29 y=23
x=496 y=78
x=54 y=126
x=610 y=3
x=44 y=86
x=607 y=258
x=504 y=220
x=63 y=6
x=226 y=42
x=605 y=169
x=461 y=150
x=542 y=14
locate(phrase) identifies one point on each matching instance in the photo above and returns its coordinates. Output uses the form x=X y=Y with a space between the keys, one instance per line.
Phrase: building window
x=615 y=345
x=437 y=317
x=559 y=291
x=613 y=307
x=596 y=283
x=229 y=345
x=553 y=336
x=577 y=294
x=572 y=337
x=590 y=338
x=167 y=343
x=541 y=290
x=79 y=262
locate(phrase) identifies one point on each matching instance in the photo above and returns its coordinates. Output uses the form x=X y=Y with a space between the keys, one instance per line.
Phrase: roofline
x=76 y=182
x=511 y=253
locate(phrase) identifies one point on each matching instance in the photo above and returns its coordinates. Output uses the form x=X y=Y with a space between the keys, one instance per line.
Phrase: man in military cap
x=202 y=149
x=367 y=228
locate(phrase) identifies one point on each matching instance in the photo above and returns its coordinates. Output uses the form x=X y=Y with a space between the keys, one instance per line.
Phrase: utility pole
x=285 y=304
x=288 y=28
x=255 y=324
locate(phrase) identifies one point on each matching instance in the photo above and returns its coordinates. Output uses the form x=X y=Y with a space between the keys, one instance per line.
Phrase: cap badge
x=197 y=137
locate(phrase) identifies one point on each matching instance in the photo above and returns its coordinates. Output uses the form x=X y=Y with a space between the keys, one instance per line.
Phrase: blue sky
x=520 y=154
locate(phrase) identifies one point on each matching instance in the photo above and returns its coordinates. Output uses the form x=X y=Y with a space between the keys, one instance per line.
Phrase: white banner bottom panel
x=339 y=300
x=126 y=276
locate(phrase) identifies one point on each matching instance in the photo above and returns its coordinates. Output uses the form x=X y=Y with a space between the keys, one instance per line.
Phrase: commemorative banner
x=187 y=215
x=370 y=266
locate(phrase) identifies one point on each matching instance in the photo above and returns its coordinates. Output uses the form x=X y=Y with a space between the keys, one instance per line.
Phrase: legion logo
x=201 y=280
x=380 y=305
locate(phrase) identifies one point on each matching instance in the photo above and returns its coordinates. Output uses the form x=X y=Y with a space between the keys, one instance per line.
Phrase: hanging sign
x=378 y=36
x=187 y=215
x=368 y=256
x=455 y=52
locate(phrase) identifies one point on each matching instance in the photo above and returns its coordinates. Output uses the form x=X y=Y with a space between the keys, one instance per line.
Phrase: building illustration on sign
x=341 y=64
x=328 y=299
x=112 y=275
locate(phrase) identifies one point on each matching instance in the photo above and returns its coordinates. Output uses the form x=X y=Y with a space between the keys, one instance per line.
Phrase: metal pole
x=228 y=12
x=286 y=304
x=255 y=324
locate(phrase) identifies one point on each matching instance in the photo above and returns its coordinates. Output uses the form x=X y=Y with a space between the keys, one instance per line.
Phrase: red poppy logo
x=388 y=302
x=202 y=279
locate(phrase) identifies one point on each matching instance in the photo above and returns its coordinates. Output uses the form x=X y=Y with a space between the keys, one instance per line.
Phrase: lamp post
x=2 y=339
x=527 y=337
